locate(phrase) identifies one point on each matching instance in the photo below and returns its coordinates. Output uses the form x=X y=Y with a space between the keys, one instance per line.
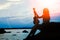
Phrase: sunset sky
x=19 y=7
x=23 y=9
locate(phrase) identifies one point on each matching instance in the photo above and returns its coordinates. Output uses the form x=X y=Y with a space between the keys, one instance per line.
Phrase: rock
x=48 y=31
x=2 y=31
x=18 y=32
x=14 y=35
x=25 y=31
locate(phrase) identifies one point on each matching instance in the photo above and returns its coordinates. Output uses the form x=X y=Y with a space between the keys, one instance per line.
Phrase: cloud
x=9 y=3
x=14 y=0
x=5 y=6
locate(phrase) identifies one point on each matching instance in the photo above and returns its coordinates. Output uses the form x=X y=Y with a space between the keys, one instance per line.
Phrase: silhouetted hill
x=48 y=31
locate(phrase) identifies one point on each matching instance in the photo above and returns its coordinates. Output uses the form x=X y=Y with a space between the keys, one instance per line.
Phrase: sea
x=16 y=34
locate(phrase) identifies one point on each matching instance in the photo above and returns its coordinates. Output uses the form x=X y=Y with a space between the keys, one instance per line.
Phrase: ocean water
x=16 y=34
x=17 y=22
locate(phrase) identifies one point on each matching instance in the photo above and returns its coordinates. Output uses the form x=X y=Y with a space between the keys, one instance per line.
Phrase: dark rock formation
x=48 y=31
x=25 y=31
x=2 y=31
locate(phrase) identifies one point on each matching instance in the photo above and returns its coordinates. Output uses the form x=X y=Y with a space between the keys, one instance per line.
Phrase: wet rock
x=18 y=32
x=2 y=38
x=8 y=32
x=2 y=31
x=14 y=35
x=7 y=39
x=25 y=31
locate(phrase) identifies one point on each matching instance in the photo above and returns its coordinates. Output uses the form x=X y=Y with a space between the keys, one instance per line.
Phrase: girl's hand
x=33 y=8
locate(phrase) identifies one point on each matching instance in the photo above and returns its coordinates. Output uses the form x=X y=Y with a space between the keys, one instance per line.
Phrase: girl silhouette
x=46 y=19
x=45 y=16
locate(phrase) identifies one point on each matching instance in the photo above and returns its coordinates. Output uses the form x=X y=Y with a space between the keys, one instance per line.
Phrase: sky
x=23 y=9
x=10 y=8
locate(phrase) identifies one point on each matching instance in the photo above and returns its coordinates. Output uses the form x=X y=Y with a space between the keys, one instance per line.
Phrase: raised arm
x=35 y=13
x=40 y=16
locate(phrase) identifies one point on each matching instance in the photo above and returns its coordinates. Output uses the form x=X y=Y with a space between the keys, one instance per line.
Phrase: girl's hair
x=45 y=10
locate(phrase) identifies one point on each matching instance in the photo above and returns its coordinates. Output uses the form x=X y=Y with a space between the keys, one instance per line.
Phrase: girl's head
x=45 y=11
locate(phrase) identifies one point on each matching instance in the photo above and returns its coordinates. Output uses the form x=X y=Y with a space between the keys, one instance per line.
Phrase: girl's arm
x=35 y=13
x=40 y=17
